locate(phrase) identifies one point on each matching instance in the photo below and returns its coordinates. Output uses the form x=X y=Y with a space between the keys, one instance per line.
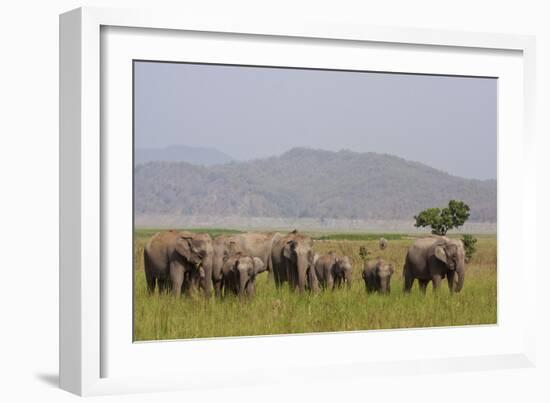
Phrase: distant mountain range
x=305 y=183
x=193 y=155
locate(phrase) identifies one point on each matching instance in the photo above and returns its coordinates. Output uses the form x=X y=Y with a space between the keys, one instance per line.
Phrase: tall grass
x=274 y=311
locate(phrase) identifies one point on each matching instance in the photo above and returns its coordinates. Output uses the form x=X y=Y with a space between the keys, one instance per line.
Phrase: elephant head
x=299 y=255
x=450 y=252
x=343 y=269
x=383 y=273
x=197 y=249
x=193 y=247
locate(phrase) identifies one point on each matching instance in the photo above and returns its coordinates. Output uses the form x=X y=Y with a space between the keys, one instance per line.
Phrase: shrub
x=469 y=242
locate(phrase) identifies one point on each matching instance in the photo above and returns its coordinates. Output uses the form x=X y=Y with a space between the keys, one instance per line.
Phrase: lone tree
x=442 y=220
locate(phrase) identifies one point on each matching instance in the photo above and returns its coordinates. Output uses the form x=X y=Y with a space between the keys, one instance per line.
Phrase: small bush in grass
x=469 y=242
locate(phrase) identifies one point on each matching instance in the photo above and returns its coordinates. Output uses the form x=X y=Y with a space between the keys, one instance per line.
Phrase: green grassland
x=280 y=311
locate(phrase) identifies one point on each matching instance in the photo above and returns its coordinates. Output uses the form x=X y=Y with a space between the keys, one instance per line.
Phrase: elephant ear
x=197 y=247
x=183 y=247
x=289 y=247
x=259 y=265
x=235 y=267
x=439 y=252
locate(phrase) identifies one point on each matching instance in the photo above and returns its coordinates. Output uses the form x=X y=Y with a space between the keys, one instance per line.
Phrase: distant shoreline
x=309 y=224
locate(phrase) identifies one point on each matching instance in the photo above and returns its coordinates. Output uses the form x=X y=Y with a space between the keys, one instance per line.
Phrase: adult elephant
x=251 y=243
x=179 y=260
x=291 y=257
x=433 y=259
x=332 y=270
x=239 y=274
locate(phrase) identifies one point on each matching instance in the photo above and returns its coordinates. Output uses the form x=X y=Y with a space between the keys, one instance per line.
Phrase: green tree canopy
x=442 y=220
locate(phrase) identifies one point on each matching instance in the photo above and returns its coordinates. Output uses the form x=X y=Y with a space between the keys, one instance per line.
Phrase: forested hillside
x=194 y=155
x=308 y=183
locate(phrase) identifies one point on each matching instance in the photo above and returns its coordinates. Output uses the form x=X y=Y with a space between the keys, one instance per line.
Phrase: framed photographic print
x=260 y=194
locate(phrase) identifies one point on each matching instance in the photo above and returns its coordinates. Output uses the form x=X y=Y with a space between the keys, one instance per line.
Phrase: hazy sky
x=448 y=123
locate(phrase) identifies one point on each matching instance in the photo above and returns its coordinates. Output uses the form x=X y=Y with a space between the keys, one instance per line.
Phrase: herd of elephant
x=185 y=262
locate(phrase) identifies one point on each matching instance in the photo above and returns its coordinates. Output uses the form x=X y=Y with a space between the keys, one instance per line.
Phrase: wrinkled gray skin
x=239 y=274
x=332 y=270
x=382 y=243
x=377 y=276
x=251 y=243
x=175 y=260
x=433 y=259
x=291 y=256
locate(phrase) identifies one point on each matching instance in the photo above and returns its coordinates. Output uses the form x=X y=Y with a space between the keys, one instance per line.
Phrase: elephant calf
x=332 y=270
x=239 y=274
x=377 y=276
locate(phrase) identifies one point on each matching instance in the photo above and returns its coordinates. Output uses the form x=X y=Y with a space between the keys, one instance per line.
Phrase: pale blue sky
x=446 y=122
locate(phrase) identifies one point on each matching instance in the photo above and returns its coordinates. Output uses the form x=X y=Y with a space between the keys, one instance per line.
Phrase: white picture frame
x=96 y=354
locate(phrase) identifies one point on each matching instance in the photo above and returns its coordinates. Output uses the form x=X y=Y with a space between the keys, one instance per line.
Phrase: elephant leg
x=277 y=279
x=191 y=282
x=151 y=281
x=177 y=274
x=408 y=281
x=250 y=289
x=436 y=280
x=206 y=282
x=161 y=284
x=217 y=287
x=330 y=283
x=451 y=281
x=222 y=288
x=422 y=285
x=292 y=280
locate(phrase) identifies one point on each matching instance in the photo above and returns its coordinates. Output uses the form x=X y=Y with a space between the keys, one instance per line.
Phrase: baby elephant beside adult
x=179 y=260
x=332 y=270
x=251 y=243
x=377 y=276
x=433 y=259
x=239 y=274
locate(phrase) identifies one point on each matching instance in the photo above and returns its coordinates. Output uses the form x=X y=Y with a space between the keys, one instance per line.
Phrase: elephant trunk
x=207 y=265
x=348 y=280
x=302 y=266
x=243 y=280
x=384 y=285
